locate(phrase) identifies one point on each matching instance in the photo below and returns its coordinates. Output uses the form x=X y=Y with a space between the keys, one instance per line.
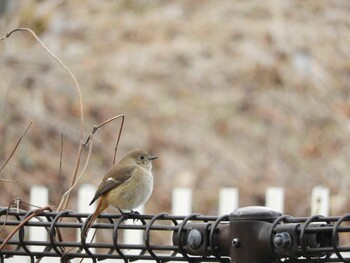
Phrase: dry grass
x=242 y=93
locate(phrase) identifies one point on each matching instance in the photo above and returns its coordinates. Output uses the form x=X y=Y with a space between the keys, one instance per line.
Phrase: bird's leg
x=135 y=213
x=127 y=214
x=124 y=214
x=120 y=211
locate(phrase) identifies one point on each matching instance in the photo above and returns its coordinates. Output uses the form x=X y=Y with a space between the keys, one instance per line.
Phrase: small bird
x=126 y=185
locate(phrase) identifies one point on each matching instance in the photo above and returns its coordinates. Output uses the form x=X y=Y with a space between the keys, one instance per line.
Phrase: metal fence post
x=250 y=234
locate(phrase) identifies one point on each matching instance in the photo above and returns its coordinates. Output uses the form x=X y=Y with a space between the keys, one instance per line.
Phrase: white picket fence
x=181 y=205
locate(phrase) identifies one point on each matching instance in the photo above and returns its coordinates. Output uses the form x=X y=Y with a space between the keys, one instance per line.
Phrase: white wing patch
x=111 y=179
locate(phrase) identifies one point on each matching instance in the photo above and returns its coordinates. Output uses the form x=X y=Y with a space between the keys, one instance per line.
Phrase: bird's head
x=139 y=157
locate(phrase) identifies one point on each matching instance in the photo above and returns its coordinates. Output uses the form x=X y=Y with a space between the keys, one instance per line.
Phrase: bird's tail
x=101 y=206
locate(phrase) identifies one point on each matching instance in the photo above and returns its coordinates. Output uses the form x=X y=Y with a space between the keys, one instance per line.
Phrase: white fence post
x=85 y=194
x=39 y=196
x=274 y=198
x=228 y=200
x=320 y=201
x=181 y=201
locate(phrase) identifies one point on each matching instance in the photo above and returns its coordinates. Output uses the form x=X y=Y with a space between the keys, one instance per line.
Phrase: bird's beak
x=152 y=157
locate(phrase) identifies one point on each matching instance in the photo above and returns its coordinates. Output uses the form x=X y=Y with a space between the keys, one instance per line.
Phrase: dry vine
x=13 y=151
x=65 y=202
x=75 y=180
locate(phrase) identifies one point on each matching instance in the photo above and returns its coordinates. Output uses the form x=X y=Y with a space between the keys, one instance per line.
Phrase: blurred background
x=246 y=94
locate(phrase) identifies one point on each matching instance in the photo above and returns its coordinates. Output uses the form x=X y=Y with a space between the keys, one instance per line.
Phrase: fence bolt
x=194 y=239
x=236 y=242
x=282 y=240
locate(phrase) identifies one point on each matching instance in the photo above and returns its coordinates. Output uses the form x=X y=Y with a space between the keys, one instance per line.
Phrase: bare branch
x=60 y=170
x=96 y=127
x=8 y=180
x=118 y=139
x=65 y=197
x=18 y=142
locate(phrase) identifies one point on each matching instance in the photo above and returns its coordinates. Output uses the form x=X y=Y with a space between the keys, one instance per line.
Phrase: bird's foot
x=135 y=213
x=126 y=215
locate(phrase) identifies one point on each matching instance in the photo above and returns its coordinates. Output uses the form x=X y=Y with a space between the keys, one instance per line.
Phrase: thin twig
x=96 y=127
x=118 y=139
x=64 y=198
x=8 y=180
x=7 y=212
x=18 y=142
x=60 y=170
x=29 y=204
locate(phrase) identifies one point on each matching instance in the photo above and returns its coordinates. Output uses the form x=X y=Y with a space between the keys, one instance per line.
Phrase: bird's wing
x=109 y=182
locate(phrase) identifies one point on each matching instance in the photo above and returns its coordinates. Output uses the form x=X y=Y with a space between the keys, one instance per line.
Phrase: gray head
x=140 y=157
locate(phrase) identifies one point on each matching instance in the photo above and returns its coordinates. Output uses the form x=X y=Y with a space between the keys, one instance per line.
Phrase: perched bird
x=126 y=185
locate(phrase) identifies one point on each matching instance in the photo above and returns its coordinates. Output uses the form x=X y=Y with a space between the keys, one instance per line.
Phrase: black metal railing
x=250 y=234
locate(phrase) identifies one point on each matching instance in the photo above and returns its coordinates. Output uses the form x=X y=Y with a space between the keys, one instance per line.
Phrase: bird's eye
x=142 y=157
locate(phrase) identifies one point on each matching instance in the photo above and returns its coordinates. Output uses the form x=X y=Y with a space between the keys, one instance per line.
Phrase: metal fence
x=250 y=234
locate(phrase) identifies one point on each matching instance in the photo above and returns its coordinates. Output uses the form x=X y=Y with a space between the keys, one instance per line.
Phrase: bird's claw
x=135 y=213
x=126 y=215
